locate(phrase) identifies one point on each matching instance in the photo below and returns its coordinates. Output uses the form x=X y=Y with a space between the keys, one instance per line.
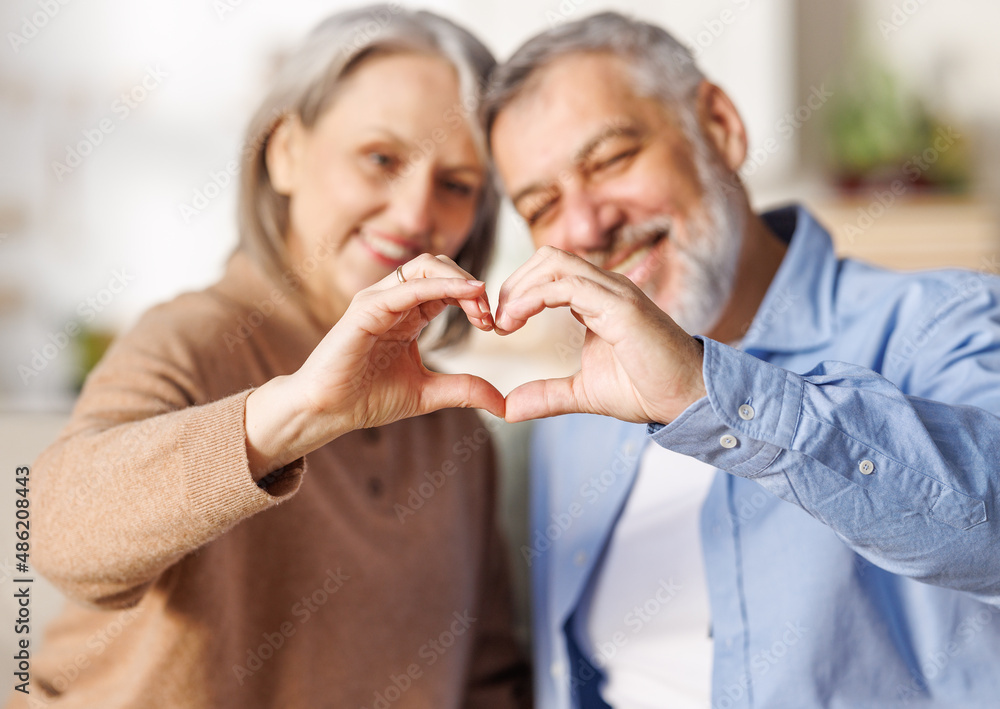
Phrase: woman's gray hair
x=662 y=67
x=308 y=83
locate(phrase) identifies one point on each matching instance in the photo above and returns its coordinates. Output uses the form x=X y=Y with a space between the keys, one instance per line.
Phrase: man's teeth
x=636 y=257
x=386 y=247
x=633 y=260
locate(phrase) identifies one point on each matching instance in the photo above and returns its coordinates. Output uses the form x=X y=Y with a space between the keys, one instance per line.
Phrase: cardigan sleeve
x=147 y=470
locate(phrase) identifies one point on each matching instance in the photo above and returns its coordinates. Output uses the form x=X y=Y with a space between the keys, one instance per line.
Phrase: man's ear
x=721 y=125
x=283 y=154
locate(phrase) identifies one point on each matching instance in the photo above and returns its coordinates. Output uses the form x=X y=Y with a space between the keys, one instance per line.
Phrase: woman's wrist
x=280 y=428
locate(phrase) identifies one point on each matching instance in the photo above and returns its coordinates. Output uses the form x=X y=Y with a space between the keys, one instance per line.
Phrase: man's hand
x=637 y=364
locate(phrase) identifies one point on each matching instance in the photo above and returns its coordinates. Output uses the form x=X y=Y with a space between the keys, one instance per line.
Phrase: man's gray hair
x=663 y=68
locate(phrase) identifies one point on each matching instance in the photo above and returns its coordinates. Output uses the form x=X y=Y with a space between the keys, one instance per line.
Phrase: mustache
x=630 y=236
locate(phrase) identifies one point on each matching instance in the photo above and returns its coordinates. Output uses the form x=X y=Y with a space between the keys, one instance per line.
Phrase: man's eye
x=616 y=159
x=538 y=212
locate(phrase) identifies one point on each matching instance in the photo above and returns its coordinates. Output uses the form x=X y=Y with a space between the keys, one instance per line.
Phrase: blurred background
x=120 y=123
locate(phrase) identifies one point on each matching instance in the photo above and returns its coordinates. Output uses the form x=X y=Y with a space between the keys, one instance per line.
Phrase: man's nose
x=588 y=222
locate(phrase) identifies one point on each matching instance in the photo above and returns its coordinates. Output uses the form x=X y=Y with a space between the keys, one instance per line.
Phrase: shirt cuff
x=748 y=418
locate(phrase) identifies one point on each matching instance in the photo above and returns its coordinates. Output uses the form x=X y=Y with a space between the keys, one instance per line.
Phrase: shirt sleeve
x=908 y=482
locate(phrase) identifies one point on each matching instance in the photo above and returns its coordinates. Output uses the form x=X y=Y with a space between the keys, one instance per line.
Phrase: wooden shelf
x=914 y=232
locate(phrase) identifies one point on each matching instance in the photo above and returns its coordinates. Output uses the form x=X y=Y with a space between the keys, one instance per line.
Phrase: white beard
x=709 y=260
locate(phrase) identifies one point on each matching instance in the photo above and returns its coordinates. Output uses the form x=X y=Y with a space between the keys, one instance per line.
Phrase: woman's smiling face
x=389 y=171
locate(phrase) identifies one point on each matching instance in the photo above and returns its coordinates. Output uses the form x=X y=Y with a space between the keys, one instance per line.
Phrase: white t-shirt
x=644 y=620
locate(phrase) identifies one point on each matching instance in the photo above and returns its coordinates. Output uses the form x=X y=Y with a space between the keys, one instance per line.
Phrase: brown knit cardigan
x=368 y=574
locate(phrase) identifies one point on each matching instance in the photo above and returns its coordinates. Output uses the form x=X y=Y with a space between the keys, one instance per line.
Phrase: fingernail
x=474 y=283
x=484 y=308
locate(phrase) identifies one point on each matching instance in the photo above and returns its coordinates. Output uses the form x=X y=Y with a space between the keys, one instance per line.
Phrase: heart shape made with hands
x=636 y=364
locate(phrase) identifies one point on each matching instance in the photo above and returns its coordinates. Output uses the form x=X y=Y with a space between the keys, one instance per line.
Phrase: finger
x=547 y=265
x=465 y=391
x=591 y=302
x=542 y=398
x=428 y=266
x=377 y=311
x=515 y=279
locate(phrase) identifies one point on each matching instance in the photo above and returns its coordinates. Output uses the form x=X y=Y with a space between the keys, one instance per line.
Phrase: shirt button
x=580 y=558
x=728 y=441
x=557 y=670
x=747 y=412
x=866 y=467
x=628 y=449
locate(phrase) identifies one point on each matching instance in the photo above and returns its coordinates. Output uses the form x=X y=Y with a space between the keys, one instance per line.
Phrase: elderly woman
x=233 y=506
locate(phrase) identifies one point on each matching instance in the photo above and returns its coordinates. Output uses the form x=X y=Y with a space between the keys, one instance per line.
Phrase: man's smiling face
x=609 y=175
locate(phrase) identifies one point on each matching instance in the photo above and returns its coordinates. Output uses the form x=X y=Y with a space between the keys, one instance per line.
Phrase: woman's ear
x=721 y=125
x=283 y=154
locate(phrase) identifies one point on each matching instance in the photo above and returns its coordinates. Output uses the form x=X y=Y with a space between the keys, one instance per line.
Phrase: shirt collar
x=797 y=310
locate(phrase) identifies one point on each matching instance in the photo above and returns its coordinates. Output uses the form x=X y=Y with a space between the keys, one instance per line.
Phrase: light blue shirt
x=851 y=534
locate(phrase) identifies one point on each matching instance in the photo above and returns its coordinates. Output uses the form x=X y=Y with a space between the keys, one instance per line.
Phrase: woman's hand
x=367 y=370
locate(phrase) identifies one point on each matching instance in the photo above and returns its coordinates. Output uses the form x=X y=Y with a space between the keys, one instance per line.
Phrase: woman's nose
x=411 y=202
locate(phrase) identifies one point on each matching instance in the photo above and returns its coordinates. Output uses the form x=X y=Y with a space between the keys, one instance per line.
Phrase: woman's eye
x=381 y=159
x=461 y=189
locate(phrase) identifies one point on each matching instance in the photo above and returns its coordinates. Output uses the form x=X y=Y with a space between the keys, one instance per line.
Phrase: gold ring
x=399 y=274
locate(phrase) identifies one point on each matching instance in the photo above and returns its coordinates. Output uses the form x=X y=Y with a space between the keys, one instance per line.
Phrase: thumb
x=541 y=398
x=464 y=391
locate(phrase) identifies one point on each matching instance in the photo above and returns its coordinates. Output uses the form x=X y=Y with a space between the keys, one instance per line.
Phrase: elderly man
x=797 y=507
